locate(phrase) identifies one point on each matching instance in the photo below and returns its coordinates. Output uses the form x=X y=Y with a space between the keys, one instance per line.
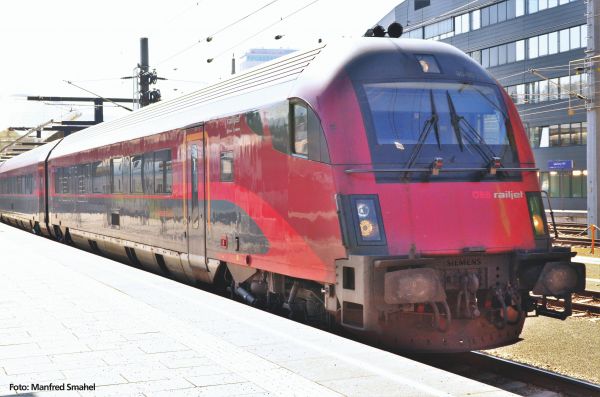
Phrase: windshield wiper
x=473 y=137
x=455 y=121
x=431 y=122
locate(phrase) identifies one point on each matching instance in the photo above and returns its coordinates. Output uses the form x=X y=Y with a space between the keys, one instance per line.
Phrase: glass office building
x=531 y=47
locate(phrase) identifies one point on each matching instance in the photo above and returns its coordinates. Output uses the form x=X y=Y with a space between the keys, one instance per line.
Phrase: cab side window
x=300 y=129
x=296 y=129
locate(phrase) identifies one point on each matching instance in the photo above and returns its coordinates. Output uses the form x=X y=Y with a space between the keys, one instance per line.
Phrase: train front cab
x=439 y=204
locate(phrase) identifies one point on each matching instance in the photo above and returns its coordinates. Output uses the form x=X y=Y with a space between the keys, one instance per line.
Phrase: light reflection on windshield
x=400 y=112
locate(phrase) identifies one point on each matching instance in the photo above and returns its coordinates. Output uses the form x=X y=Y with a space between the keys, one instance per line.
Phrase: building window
x=520 y=8
x=568 y=134
x=520 y=47
x=475 y=19
x=537 y=46
x=502 y=56
x=567 y=184
x=416 y=33
x=578 y=184
x=521 y=93
x=533 y=47
x=485 y=58
x=554 y=182
x=575 y=37
x=565 y=87
x=493 y=56
x=511 y=52
x=532 y=6
x=543 y=45
x=552 y=43
x=485 y=16
x=421 y=4
x=461 y=23
x=501 y=11
x=564 y=40
x=440 y=30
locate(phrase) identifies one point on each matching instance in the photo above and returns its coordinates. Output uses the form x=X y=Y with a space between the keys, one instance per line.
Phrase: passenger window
x=66 y=178
x=100 y=177
x=162 y=172
x=227 y=166
x=83 y=177
x=136 y=175
x=148 y=172
x=300 y=132
x=57 y=180
x=116 y=168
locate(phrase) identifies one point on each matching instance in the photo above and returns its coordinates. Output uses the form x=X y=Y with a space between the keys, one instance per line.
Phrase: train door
x=196 y=204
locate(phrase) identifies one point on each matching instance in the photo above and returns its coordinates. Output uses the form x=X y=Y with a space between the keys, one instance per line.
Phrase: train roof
x=300 y=74
x=33 y=156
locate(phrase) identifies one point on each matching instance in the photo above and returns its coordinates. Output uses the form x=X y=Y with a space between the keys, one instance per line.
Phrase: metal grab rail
x=551 y=213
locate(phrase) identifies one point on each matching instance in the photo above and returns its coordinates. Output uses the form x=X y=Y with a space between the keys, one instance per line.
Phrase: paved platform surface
x=70 y=317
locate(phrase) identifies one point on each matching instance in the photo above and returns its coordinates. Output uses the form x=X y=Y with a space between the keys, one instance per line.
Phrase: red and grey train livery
x=386 y=184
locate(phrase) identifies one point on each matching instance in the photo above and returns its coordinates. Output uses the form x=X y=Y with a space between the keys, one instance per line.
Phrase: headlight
x=536 y=212
x=368 y=222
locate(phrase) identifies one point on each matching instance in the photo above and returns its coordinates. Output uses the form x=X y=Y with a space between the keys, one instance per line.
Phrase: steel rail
x=540 y=377
x=480 y=362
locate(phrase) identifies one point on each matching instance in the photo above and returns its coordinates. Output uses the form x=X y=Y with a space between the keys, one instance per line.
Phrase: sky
x=95 y=43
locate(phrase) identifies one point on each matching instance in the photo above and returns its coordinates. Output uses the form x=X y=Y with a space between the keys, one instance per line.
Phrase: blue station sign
x=560 y=164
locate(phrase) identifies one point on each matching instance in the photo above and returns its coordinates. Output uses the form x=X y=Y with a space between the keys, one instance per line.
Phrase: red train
x=385 y=184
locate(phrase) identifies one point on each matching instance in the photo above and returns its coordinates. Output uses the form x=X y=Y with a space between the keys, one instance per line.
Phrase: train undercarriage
x=445 y=304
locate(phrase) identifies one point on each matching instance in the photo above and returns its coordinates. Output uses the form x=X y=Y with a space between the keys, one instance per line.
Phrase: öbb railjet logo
x=506 y=195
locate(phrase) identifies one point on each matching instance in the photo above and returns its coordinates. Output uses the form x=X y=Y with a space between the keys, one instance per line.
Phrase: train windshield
x=415 y=122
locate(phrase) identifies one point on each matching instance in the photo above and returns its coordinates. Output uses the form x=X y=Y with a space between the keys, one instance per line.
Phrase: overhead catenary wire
x=101 y=97
x=209 y=37
x=96 y=80
x=264 y=29
x=575 y=108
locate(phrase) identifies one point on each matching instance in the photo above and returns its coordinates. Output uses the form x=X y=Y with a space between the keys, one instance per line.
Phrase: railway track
x=586 y=302
x=517 y=378
x=570 y=233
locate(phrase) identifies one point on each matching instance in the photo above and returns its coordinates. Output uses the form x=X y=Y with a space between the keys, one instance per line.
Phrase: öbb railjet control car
x=386 y=184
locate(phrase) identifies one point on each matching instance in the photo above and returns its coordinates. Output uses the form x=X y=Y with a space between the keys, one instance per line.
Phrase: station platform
x=69 y=318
